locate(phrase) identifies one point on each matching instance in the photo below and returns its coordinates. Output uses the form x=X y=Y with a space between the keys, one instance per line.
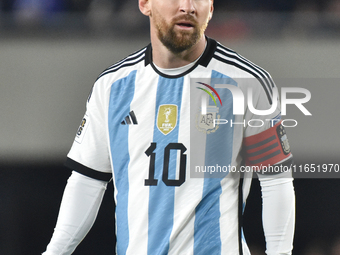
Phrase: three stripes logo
x=130 y=119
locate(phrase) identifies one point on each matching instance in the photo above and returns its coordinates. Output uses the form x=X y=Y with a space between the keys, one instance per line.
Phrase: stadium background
x=51 y=52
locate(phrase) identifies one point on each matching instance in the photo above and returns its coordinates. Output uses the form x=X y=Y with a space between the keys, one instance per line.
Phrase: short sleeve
x=89 y=154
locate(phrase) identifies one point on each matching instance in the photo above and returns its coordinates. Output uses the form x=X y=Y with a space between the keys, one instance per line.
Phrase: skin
x=177 y=29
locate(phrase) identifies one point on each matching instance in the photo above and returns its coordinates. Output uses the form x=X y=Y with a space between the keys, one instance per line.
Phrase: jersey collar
x=203 y=60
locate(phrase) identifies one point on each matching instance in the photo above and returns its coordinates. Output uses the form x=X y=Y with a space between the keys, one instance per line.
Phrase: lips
x=185 y=21
x=184 y=24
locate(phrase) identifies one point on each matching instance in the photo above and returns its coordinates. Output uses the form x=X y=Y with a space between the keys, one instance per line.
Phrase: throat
x=177 y=70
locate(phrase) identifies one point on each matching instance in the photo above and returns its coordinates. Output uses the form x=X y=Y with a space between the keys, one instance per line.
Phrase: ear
x=211 y=9
x=144 y=7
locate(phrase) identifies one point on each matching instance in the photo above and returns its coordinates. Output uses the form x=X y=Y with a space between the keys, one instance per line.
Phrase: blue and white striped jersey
x=144 y=129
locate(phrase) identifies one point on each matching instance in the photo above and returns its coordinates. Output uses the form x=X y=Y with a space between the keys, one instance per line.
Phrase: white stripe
x=229 y=220
x=140 y=137
x=189 y=194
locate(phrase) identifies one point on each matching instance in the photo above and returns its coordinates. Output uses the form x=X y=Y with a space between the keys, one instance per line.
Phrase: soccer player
x=147 y=129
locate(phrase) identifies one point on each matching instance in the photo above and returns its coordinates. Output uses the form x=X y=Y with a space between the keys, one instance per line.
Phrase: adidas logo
x=130 y=119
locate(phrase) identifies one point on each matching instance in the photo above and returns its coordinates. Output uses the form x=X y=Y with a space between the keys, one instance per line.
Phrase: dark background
x=31 y=196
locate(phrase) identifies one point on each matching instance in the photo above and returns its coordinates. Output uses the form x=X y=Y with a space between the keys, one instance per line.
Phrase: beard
x=179 y=41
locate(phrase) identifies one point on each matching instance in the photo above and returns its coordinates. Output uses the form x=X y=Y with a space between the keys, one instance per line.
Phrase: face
x=179 y=24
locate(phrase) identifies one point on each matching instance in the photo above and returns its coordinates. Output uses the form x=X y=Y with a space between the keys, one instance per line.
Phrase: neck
x=164 y=58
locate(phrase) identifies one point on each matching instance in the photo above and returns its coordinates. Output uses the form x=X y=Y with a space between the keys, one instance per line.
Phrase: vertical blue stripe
x=219 y=147
x=161 y=198
x=122 y=92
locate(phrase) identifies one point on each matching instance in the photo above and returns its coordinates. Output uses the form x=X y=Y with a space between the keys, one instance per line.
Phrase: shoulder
x=231 y=57
x=128 y=63
x=235 y=65
x=118 y=71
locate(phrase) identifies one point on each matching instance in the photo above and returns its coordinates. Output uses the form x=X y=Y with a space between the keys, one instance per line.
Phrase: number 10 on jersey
x=151 y=181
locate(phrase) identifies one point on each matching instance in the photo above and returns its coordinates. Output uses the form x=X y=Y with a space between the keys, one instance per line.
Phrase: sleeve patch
x=268 y=147
x=82 y=129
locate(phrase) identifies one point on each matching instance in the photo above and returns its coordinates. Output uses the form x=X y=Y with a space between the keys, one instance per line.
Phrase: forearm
x=78 y=211
x=278 y=213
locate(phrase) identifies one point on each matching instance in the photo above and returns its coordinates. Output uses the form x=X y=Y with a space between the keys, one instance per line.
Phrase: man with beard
x=142 y=131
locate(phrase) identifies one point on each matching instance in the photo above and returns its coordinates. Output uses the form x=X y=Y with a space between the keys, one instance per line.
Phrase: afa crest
x=205 y=122
x=281 y=132
x=167 y=118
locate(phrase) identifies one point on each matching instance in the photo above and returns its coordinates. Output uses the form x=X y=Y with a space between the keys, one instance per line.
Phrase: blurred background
x=51 y=52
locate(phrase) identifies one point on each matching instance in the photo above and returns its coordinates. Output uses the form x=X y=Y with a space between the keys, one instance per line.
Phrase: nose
x=187 y=6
